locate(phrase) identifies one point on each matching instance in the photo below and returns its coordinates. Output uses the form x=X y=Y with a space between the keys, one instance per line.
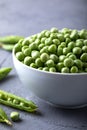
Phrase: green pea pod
x=4 y=72
x=4 y=117
x=10 y=39
x=7 y=47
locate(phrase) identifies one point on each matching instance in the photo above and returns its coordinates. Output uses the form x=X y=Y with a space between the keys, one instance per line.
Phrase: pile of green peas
x=54 y=50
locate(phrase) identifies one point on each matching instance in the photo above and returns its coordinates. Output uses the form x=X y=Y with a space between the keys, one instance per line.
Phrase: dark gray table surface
x=26 y=17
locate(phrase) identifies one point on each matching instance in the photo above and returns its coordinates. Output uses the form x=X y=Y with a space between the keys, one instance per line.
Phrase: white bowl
x=66 y=90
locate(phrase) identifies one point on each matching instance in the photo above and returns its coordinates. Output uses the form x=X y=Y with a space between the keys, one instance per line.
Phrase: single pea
x=43 y=32
x=48 y=41
x=24 y=47
x=28 y=60
x=79 y=43
x=39 y=35
x=56 y=42
x=67 y=40
x=53 y=35
x=74 y=69
x=77 y=50
x=62 y=58
x=54 y=30
x=37 y=42
x=15 y=101
x=84 y=48
x=43 y=39
x=54 y=58
x=20 y=56
x=85 y=64
x=44 y=50
x=31 y=40
x=47 y=33
x=44 y=57
x=71 y=45
x=78 y=63
x=74 y=34
x=27 y=52
x=66 y=30
x=40 y=68
x=38 y=62
x=20 y=41
x=59 y=51
x=25 y=42
x=41 y=46
x=52 y=69
x=72 y=56
x=22 y=104
x=61 y=37
x=68 y=62
x=50 y=63
x=34 y=37
x=82 y=33
x=67 y=35
x=33 y=65
x=63 y=44
x=85 y=42
x=70 y=53
x=65 y=70
x=45 y=69
x=83 y=57
x=52 y=48
x=59 y=66
x=17 y=47
x=35 y=54
x=33 y=46
x=65 y=50
x=14 y=116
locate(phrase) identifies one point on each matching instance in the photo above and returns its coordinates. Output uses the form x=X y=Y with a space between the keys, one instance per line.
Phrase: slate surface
x=26 y=17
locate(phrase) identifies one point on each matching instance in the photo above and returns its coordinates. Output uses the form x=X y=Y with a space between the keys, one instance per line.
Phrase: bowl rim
x=47 y=72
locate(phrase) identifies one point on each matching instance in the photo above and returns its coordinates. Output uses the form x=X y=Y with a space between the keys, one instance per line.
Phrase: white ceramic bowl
x=66 y=90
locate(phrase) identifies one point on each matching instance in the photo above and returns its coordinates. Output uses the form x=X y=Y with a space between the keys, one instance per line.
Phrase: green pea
x=79 y=43
x=33 y=46
x=77 y=50
x=27 y=52
x=65 y=70
x=41 y=46
x=15 y=116
x=53 y=35
x=44 y=57
x=85 y=42
x=33 y=65
x=59 y=66
x=47 y=33
x=56 y=41
x=61 y=37
x=43 y=39
x=43 y=32
x=66 y=30
x=15 y=101
x=78 y=63
x=38 y=62
x=45 y=69
x=52 y=48
x=70 y=53
x=39 y=35
x=67 y=35
x=28 y=60
x=67 y=40
x=59 y=51
x=20 y=41
x=40 y=68
x=65 y=50
x=74 y=69
x=71 y=45
x=63 y=44
x=10 y=99
x=31 y=40
x=52 y=69
x=68 y=62
x=25 y=42
x=72 y=56
x=85 y=64
x=50 y=63
x=17 y=47
x=24 y=47
x=35 y=54
x=44 y=50
x=84 y=48
x=83 y=57
x=82 y=34
x=20 y=56
x=37 y=42
x=54 y=58
x=48 y=41
x=54 y=30
x=74 y=34
x=62 y=58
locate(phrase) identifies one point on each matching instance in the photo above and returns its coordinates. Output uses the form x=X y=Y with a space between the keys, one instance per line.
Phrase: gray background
x=27 y=17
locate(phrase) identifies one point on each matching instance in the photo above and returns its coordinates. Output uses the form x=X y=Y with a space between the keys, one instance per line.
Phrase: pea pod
x=4 y=72
x=7 y=47
x=4 y=117
x=10 y=39
x=14 y=101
